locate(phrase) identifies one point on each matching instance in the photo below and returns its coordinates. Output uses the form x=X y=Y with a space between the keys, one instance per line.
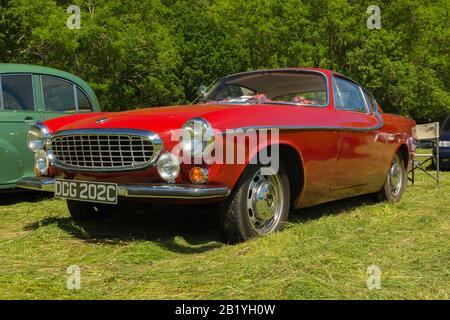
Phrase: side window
x=83 y=102
x=348 y=96
x=374 y=103
x=17 y=93
x=63 y=96
x=371 y=102
x=58 y=95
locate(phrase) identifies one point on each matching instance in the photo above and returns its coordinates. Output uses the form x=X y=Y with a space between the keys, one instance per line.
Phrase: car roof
x=326 y=72
x=15 y=68
x=323 y=71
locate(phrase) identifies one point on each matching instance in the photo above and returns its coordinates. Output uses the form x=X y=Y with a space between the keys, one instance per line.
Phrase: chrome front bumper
x=147 y=190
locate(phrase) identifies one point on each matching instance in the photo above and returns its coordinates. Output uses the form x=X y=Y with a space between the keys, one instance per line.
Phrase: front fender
x=12 y=164
x=229 y=173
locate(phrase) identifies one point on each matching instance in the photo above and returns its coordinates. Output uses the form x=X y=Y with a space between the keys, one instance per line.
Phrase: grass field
x=176 y=253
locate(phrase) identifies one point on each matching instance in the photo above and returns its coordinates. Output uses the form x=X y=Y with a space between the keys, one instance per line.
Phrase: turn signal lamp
x=198 y=175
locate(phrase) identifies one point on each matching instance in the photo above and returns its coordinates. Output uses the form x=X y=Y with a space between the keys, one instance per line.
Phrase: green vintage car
x=29 y=94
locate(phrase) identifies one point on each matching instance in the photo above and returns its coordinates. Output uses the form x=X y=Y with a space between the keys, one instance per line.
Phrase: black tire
x=88 y=211
x=235 y=216
x=390 y=192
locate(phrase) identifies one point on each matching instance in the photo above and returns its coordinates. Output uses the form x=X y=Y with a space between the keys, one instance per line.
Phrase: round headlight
x=168 y=167
x=41 y=162
x=197 y=135
x=38 y=137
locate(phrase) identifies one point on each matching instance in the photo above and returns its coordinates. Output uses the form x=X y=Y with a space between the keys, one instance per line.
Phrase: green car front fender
x=12 y=166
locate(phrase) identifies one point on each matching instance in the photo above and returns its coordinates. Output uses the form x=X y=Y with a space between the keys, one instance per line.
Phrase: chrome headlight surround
x=38 y=137
x=198 y=134
x=39 y=143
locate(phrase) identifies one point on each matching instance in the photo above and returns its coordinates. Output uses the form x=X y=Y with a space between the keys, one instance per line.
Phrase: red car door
x=359 y=155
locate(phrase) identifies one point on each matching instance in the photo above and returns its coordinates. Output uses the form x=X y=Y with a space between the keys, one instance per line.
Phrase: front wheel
x=258 y=206
x=87 y=211
x=396 y=181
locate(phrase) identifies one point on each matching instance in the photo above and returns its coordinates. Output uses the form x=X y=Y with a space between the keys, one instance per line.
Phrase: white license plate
x=86 y=191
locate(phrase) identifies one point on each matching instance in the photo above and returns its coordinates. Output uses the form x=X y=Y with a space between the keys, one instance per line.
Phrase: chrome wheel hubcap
x=396 y=176
x=265 y=202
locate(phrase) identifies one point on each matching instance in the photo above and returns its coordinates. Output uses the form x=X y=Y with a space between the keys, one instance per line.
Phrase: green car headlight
x=38 y=137
x=42 y=163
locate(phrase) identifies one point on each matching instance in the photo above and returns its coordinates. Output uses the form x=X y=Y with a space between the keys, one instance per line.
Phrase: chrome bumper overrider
x=155 y=191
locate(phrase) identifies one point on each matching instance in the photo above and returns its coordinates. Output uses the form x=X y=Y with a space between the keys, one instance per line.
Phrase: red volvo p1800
x=257 y=144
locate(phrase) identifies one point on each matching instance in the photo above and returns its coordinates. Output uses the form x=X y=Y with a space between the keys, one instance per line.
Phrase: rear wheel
x=87 y=211
x=396 y=181
x=258 y=206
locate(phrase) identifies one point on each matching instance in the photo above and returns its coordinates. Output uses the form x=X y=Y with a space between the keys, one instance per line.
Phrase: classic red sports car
x=257 y=145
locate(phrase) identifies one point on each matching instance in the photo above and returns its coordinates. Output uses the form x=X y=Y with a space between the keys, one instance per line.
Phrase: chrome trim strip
x=152 y=191
x=34 y=93
x=42 y=93
x=148 y=135
x=1 y=94
x=37 y=183
x=76 y=97
x=170 y=191
x=312 y=128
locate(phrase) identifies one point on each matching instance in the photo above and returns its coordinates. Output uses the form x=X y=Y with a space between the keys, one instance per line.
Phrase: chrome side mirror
x=203 y=90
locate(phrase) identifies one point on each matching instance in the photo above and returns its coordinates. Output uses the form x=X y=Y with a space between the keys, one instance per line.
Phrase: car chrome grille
x=104 y=151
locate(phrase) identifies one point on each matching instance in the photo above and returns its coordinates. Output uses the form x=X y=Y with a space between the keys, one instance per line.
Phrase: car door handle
x=29 y=120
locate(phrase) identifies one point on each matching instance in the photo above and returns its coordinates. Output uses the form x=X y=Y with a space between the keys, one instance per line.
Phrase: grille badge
x=102 y=120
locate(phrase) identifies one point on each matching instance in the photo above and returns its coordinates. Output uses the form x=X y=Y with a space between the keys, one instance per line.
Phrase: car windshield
x=271 y=87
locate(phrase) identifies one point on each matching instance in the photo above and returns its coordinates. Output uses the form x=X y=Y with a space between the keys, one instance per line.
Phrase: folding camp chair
x=429 y=132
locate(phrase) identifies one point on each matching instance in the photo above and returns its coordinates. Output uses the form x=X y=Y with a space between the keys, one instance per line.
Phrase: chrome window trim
x=77 y=110
x=42 y=93
x=34 y=93
x=1 y=94
x=147 y=135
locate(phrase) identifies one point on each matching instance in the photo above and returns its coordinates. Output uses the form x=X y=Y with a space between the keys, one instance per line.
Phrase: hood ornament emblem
x=102 y=120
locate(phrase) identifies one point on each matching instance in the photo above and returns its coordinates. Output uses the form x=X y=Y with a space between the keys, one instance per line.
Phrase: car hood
x=221 y=117
x=154 y=119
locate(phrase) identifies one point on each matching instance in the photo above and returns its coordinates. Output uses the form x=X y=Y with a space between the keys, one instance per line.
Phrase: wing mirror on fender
x=203 y=90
